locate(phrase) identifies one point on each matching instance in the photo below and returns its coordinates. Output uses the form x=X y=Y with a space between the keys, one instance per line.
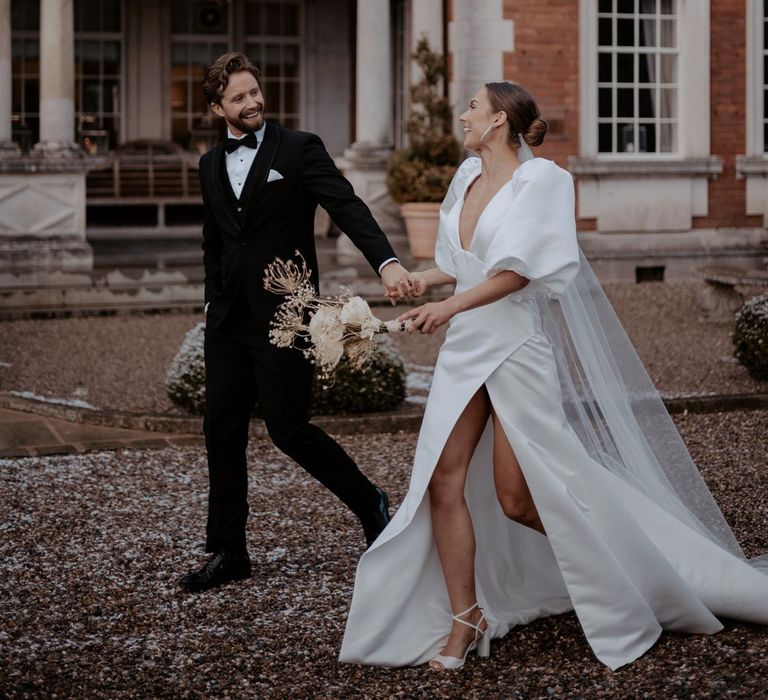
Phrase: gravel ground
x=92 y=547
x=120 y=362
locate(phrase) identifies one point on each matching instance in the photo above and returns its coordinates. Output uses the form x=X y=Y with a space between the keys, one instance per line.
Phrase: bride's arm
x=429 y=317
x=433 y=277
x=421 y=282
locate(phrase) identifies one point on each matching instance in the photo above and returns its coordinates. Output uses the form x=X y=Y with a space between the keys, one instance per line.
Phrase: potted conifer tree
x=418 y=176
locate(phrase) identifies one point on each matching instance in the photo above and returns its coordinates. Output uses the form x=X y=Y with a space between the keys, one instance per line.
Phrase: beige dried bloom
x=287 y=277
x=342 y=326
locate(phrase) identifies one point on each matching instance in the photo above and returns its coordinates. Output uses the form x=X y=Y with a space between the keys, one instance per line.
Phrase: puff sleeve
x=536 y=237
x=445 y=248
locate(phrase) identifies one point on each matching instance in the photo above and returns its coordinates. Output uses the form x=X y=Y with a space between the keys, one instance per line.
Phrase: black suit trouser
x=242 y=367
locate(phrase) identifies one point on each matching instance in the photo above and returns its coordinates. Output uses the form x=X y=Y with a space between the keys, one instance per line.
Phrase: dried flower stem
x=341 y=327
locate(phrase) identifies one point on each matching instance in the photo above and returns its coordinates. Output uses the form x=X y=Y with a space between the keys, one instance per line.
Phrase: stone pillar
x=364 y=163
x=42 y=195
x=147 y=46
x=373 y=104
x=7 y=147
x=478 y=36
x=42 y=218
x=57 y=80
x=426 y=20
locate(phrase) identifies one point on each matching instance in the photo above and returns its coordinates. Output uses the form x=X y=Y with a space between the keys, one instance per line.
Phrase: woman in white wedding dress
x=547 y=477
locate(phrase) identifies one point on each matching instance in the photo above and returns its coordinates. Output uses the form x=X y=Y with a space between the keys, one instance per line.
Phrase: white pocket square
x=274 y=175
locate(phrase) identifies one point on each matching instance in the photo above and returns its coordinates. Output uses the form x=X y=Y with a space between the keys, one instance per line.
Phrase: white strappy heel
x=481 y=642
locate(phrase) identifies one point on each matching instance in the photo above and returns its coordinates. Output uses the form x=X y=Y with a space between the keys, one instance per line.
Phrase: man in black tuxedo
x=260 y=190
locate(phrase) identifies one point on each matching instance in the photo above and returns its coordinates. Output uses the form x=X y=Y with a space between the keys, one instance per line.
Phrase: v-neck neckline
x=462 y=201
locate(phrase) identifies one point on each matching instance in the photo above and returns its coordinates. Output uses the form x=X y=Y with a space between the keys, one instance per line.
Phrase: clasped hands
x=399 y=284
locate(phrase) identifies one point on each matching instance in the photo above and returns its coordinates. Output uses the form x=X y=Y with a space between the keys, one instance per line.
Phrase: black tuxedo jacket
x=274 y=219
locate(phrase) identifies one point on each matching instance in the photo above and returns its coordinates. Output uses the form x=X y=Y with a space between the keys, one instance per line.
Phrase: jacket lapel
x=218 y=176
x=259 y=172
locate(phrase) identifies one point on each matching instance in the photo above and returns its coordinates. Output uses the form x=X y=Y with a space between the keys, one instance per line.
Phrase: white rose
x=355 y=311
x=329 y=352
x=325 y=325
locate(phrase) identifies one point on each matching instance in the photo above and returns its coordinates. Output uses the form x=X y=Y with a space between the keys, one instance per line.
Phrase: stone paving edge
x=182 y=430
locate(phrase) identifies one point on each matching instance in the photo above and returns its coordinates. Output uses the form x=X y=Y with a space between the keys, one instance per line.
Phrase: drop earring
x=485 y=133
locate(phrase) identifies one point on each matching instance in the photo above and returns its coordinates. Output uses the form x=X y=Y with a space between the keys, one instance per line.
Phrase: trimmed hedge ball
x=750 y=336
x=380 y=388
x=185 y=381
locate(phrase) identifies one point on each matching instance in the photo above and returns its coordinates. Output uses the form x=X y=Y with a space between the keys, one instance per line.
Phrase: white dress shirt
x=239 y=162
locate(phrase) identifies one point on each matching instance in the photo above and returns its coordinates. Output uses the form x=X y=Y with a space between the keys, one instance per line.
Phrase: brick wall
x=727 y=195
x=546 y=62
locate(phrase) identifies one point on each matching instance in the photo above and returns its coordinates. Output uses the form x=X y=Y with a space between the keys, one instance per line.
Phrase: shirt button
x=239 y=209
x=242 y=241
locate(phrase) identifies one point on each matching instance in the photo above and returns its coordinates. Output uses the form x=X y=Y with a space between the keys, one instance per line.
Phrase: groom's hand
x=396 y=280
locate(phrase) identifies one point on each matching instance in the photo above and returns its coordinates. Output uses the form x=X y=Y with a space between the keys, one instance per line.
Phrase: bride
x=548 y=476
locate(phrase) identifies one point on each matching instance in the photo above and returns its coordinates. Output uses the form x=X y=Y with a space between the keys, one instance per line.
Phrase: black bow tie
x=249 y=141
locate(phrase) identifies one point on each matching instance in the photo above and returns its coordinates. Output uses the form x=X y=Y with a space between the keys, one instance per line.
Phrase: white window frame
x=755 y=80
x=192 y=83
x=693 y=84
x=753 y=165
x=264 y=40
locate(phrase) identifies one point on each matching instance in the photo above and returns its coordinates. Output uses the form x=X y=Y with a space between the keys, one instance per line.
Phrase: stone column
x=426 y=20
x=364 y=163
x=42 y=195
x=478 y=36
x=147 y=46
x=57 y=80
x=373 y=104
x=7 y=146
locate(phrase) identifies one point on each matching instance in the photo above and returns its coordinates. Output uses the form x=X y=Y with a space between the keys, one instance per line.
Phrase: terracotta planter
x=421 y=219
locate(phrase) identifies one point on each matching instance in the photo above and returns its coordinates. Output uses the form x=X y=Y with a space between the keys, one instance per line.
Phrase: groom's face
x=242 y=104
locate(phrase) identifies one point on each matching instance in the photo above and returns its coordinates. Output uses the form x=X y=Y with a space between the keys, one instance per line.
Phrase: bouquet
x=326 y=330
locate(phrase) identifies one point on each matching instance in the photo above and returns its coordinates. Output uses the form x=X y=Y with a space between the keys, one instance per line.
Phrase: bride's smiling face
x=476 y=120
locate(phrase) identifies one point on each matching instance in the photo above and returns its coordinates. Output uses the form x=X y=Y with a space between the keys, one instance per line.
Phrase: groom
x=260 y=191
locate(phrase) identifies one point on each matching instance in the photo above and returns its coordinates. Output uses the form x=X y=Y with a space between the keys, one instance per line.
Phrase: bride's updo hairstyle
x=523 y=116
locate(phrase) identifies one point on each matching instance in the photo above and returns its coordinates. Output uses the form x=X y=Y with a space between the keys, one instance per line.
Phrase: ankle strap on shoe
x=457 y=617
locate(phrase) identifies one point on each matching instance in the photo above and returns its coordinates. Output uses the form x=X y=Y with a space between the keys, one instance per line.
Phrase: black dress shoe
x=221 y=568
x=375 y=522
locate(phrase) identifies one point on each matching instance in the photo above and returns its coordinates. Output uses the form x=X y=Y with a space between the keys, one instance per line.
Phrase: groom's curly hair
x=217 y=77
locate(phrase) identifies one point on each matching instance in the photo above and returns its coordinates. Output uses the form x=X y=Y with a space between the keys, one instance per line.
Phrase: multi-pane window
x=98 y=70
x=98 y=61
x=637 y=67
x=200 y=33
x=25 y=72
x=273 y=42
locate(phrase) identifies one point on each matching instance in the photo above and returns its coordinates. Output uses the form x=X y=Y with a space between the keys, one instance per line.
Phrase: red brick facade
x=546 y=60
x=727 y=65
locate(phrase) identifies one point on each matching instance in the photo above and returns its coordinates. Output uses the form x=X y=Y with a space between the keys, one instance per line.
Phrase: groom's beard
x=247 y=125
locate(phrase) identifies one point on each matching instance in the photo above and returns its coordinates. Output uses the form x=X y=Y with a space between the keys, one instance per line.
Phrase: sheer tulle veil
x=614 y=408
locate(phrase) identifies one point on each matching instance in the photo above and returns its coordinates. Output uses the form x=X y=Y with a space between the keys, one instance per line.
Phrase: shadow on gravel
x=92 y=547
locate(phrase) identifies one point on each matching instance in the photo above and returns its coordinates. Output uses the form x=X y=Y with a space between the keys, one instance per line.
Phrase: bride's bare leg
x=451 y=522
x=511 y=488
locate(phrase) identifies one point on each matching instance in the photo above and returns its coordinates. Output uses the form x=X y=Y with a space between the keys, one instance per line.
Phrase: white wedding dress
x=622 y=550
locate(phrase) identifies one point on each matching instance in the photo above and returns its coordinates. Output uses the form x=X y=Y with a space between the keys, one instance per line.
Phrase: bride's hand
x=429 y=317
x=419 y=285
